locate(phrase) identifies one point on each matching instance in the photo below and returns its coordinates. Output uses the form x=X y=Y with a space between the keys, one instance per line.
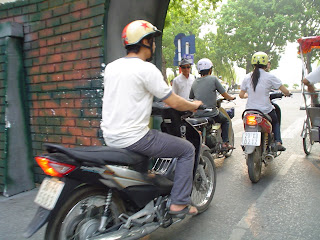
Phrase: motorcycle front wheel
x=80 y=216
x=307 y=142
x=255 y=164
x=204 y=184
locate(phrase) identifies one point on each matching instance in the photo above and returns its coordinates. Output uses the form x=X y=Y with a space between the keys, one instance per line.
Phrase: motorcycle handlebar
x=274 y=95
x=202 y=107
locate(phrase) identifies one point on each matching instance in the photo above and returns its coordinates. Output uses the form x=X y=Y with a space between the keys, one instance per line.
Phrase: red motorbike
x=258 y=141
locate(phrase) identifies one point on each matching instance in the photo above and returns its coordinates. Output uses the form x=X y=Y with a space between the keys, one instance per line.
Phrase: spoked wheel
x=255 y=165
x=307 y=142
x=204 y=184
x=80 y=216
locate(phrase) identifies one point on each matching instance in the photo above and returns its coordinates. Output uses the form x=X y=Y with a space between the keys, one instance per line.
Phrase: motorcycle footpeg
x=167 y=222
x=179 y=216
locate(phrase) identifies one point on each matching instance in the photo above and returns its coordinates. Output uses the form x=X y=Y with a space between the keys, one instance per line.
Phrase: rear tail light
x=251 y=120
x=54 y=169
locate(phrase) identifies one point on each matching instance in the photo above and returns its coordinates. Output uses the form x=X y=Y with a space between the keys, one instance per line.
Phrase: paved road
x=283 y=205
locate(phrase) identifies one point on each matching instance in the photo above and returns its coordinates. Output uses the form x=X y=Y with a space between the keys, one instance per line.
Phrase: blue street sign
x=177 y=37
x=189 y=56
x=188 y=42
x=185 y=46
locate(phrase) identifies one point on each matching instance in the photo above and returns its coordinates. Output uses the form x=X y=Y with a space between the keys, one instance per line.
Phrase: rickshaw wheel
x=307 y=142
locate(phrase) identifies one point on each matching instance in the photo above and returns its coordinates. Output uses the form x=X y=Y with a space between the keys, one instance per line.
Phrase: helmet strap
x=150 y=47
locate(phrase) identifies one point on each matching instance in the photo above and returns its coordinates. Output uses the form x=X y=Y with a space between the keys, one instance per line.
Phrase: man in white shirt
x=130 y=83
x=311 y=79
x=182 y=83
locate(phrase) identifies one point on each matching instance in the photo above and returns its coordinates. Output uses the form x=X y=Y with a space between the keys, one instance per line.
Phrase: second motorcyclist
x=256 y=86
x=204 y=89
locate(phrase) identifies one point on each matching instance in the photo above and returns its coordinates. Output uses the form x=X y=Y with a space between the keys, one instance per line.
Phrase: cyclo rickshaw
x=311 y=126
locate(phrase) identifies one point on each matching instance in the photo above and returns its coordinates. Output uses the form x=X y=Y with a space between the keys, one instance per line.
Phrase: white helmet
x=137 y=30
x=204 y=64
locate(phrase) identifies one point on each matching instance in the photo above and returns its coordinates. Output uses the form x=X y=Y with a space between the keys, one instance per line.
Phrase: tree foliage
x=248 y=26
x=244 y=27
x=222 y=66
x=185 y=17
x=307 y=18
x=187 y=9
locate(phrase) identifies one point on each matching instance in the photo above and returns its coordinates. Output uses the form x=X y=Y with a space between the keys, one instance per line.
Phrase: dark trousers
x=220 y=118
x=275 y=126
x=161 y=145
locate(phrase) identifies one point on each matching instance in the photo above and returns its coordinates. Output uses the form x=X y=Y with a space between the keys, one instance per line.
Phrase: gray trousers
x=161 y=145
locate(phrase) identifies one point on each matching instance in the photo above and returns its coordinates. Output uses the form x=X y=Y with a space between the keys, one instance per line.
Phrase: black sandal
x=182 y=213
x=281 y=148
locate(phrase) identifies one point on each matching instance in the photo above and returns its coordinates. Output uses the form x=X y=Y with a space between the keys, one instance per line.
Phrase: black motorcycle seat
x=198 y=121
x=100 y=154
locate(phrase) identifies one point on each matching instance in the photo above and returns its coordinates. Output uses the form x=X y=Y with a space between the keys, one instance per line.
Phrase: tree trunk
x=248 y=67
x=164 y=69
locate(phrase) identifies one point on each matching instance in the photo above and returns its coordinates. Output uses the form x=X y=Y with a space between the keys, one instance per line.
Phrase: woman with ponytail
x=257 y=85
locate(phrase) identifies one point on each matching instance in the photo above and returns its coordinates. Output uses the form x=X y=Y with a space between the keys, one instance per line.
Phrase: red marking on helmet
x=124 y=35
x=145 y=25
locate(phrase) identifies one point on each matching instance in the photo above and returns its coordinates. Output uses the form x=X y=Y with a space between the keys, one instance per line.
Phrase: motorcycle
x=258 y=141
x=211 y=131
x=100 y=193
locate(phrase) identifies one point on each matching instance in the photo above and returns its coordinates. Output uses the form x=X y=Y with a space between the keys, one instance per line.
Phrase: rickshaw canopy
x=308 y=43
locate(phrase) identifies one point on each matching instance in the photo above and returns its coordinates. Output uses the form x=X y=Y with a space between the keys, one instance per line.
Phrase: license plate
x=251 y=138
x=49 y=193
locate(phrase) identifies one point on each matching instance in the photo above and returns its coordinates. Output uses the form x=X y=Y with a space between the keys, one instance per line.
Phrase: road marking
x=294 y=129
x=246 y=221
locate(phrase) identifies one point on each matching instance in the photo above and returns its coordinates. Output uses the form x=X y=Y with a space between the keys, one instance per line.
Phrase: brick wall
x=63 y=53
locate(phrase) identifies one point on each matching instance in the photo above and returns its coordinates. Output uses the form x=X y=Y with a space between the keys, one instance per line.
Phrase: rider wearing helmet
x=130 y=84
x=204 y=89
x=257 y=85
x=135 y=32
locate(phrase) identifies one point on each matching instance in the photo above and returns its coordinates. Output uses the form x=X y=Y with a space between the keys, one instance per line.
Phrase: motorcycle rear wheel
x=80 y=215
x=255 y=165
x=204 y=187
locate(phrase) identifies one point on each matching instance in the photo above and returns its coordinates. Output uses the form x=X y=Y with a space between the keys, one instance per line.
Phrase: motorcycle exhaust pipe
x=269 y=158
x=129 y=234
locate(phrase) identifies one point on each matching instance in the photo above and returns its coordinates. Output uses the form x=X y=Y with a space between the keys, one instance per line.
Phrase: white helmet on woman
x=204 y=64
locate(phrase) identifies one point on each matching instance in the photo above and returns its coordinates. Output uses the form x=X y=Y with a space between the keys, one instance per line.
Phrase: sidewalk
x=15 y=214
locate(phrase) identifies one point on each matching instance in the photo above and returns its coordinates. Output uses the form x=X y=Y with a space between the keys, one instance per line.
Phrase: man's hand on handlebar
x=227 y=96
x=197 y=104
x=202 y=107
